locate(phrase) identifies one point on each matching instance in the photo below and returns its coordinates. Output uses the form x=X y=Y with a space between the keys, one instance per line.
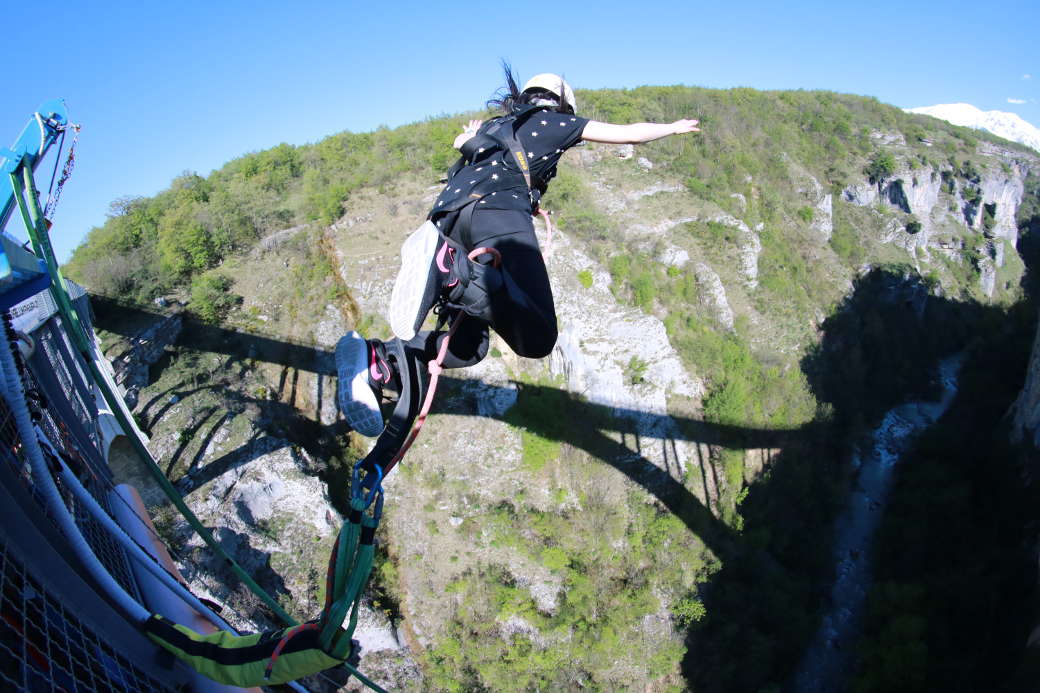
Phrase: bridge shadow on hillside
x=621 y=450
x=763 y=605
x=129 y=319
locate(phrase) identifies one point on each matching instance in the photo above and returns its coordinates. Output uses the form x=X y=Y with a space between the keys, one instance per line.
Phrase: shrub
x=697 y=187
x=969 y=172
x=644 y=290
x=728 y=404
x=555 y=558
x=585 y=278
x=210 y=296
x=972 y=195
x=881 y=166
x=687 y=611
x=620 y=266
x=989 y=216
x=636 y=370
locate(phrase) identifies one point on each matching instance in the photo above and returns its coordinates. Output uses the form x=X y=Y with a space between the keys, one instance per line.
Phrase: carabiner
x=372 y=482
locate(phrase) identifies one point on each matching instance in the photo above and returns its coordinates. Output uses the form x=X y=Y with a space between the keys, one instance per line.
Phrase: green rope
x=34 y=224
x=349 y=536
x=363 y=679
x=352 y=569
x=337 y=611
x=353 y=562
x=353 y=566
x=358 y=580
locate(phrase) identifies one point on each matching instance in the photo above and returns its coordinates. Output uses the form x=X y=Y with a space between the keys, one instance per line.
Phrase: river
x=825 y=665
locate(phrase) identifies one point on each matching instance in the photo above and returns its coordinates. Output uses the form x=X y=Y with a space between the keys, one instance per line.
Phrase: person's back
x=478 y=255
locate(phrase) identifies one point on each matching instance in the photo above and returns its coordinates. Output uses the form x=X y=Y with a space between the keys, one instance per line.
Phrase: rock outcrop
x=131 y=366
x=1025 y=413
x=944 y=202
x=823 y=218
x=715 y=294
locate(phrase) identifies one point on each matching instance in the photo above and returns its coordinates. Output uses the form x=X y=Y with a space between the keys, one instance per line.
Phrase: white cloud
x=1027 y=76
x=1010 y=100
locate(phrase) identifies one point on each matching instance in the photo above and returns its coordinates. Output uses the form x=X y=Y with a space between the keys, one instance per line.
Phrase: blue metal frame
x=22 y=273
x=42 y=130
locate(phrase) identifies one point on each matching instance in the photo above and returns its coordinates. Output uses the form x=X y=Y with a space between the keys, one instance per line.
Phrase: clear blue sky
x=161 y=88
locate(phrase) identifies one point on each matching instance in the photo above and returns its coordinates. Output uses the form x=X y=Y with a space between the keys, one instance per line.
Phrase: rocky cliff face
x=945 y=202
x=142 y=350
x=1025 y=422
x=616 y=377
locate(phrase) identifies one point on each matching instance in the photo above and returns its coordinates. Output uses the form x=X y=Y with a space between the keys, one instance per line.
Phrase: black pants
x=523 y=310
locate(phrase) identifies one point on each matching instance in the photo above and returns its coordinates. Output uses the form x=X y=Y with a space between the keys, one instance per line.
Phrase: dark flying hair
x=509 y=98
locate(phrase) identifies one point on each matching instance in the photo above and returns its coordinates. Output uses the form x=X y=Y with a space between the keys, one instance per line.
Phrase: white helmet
x=553 y=83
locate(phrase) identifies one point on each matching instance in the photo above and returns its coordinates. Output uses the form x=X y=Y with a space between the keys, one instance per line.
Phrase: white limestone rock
x=860 y=194
x=1005 y=194
x=1025 y=412
x=596 y=349
x=654 y=189
x=987 y=275
x=655 y=230
x=750 y=246
x=823 y=218
x=714 y=293
x=921 y=190
x=674 y=256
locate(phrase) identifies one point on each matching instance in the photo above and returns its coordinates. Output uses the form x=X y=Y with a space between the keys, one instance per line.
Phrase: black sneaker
x=363 y=370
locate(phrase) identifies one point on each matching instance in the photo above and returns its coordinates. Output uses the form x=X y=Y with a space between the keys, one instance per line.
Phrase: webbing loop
x=289 y=635
x=496 y=257
x=435 y=368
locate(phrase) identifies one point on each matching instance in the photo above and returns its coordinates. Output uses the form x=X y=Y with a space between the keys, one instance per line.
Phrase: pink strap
x=435 y=367
x=496 y=257
x=290 y=634
x=548 y=229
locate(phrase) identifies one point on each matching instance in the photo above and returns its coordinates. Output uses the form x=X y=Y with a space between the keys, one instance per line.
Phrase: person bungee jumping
x=477 y=251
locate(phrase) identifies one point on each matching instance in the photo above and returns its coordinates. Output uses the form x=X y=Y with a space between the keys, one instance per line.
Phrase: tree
x=184 y=244
x=881 y=166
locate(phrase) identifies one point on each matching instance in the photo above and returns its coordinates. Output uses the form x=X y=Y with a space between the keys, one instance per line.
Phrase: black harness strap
x=507 y=138
x=502 y=131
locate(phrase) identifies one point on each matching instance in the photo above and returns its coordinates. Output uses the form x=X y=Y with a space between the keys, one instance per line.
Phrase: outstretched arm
x=635 y=133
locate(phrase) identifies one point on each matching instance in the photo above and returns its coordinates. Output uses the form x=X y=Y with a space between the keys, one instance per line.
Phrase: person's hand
x=684 y=126
x=468 y=131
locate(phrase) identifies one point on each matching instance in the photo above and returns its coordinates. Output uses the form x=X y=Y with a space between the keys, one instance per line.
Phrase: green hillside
x=166 y=241
x=838 y=301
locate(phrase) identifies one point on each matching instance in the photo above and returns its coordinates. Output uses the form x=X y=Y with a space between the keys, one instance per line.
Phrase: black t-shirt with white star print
x=545 y=135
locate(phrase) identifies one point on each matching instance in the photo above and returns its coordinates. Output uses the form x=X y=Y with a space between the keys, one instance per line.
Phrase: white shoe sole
x=356 y=399
x=416 y=259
